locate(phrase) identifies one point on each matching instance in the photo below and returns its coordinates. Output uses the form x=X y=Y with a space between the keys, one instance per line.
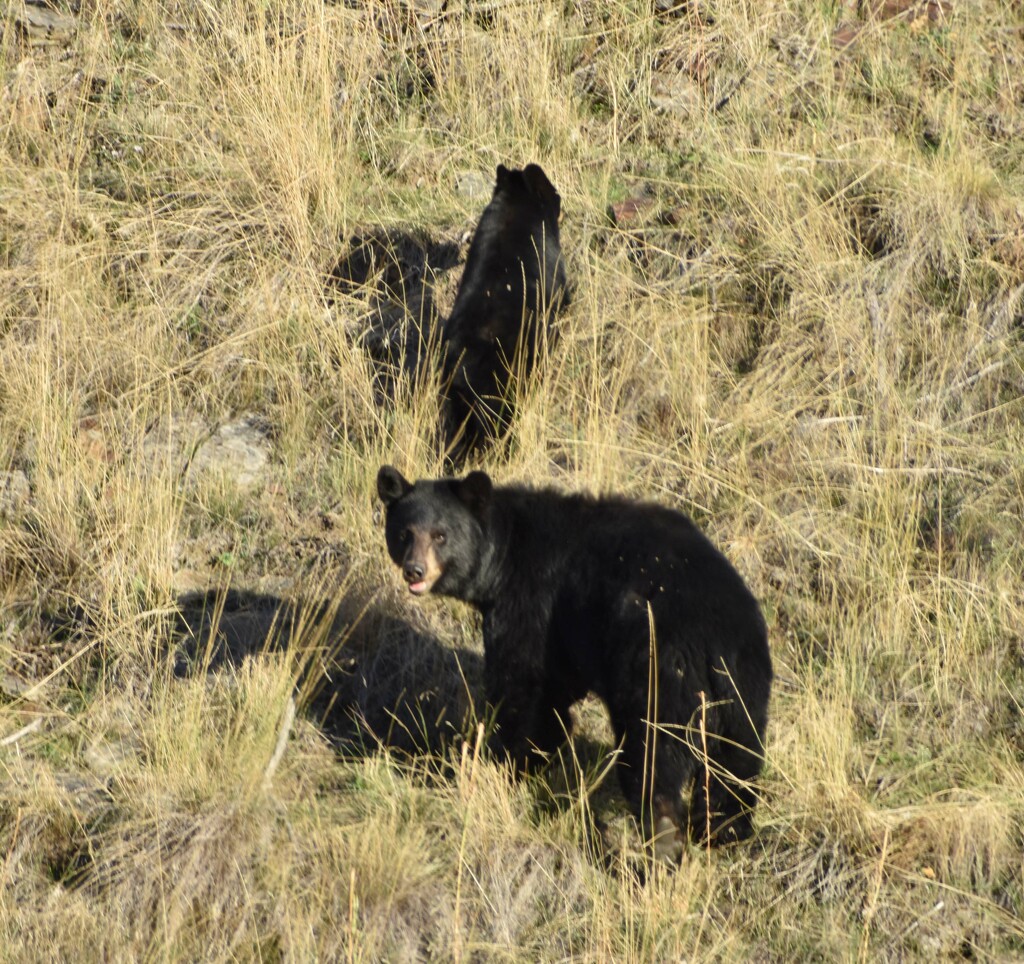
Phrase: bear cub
x=624 y=599
x=513 y=282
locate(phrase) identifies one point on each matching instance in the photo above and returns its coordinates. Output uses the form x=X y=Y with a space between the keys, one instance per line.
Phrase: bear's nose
x=413 y=571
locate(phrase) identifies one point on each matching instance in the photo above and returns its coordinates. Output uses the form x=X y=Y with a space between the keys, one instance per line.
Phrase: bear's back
x=612 y=543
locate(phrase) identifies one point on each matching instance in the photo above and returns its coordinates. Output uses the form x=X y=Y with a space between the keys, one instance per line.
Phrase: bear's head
x=525 y=211
x=518 y=238
x=529 y=186
x=436 y=530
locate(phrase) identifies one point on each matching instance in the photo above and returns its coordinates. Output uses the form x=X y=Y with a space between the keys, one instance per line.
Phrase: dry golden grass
x=818 y=352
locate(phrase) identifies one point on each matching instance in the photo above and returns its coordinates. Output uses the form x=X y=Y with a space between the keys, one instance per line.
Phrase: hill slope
x=803 y=325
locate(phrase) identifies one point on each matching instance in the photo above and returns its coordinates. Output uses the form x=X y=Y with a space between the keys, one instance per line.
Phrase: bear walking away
x=603 y=595
x=513 y=282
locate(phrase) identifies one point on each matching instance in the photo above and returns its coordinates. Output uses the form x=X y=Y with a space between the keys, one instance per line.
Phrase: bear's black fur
x=513 y=281
x=603 y=595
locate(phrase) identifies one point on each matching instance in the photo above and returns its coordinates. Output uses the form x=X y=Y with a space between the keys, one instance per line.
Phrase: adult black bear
x=607 y=596
x=513 y=281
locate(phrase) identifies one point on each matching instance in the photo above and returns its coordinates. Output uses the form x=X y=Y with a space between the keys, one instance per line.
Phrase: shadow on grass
x=367 y=677
x=396 y=271
x=374 y=681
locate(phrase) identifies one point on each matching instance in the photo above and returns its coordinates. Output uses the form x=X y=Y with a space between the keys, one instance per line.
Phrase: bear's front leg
x=532 y=719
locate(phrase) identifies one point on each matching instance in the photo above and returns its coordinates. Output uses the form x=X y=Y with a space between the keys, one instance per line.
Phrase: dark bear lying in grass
x=603 y=595
x=513 y=281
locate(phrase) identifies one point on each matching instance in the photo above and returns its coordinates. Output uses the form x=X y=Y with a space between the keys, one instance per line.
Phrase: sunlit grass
x=811 y=341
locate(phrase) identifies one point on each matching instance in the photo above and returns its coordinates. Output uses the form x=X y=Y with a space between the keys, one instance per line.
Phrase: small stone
x=473 y=185
x=93 y=441
x=331 y=520
x=106 y=757
x=935 y=10
x=630 y=212
x=42 y=24
x=14 y=491
x=185 y=581
x=845 y=35
x=13 y=686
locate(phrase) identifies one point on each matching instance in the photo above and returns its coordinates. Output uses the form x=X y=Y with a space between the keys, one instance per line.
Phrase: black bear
x=513 y=282
x=610 y=596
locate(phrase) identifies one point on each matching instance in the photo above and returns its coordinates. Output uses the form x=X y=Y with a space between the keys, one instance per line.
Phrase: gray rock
x=107 y=757
x=584 y=80
x=169 y=445
x=674 y=92
x=14 y=687
x=473 y=185
x=239 y=450
x=14 y=491
x=42 y=24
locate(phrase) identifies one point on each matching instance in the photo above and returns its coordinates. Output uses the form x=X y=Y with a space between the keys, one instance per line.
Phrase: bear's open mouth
x=420 y=587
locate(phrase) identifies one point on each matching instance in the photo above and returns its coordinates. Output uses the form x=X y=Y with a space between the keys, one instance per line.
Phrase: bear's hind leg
x=723 y=799
x=653 y=773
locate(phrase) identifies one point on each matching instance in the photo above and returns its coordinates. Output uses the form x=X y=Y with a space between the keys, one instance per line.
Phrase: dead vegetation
x=809 y=335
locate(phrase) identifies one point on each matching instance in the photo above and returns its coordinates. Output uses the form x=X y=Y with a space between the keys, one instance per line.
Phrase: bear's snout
x=420 y=566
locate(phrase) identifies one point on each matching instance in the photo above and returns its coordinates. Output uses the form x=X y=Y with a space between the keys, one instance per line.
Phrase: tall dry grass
x=810 y=340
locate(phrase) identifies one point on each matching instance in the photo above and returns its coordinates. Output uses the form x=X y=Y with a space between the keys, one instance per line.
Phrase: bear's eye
x=406 y=535
x=439 y=538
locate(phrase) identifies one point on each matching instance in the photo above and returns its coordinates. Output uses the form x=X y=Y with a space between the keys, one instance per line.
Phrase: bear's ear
x=509 y=181
x=541 y=188
x=475 y=490
x=391 y=484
